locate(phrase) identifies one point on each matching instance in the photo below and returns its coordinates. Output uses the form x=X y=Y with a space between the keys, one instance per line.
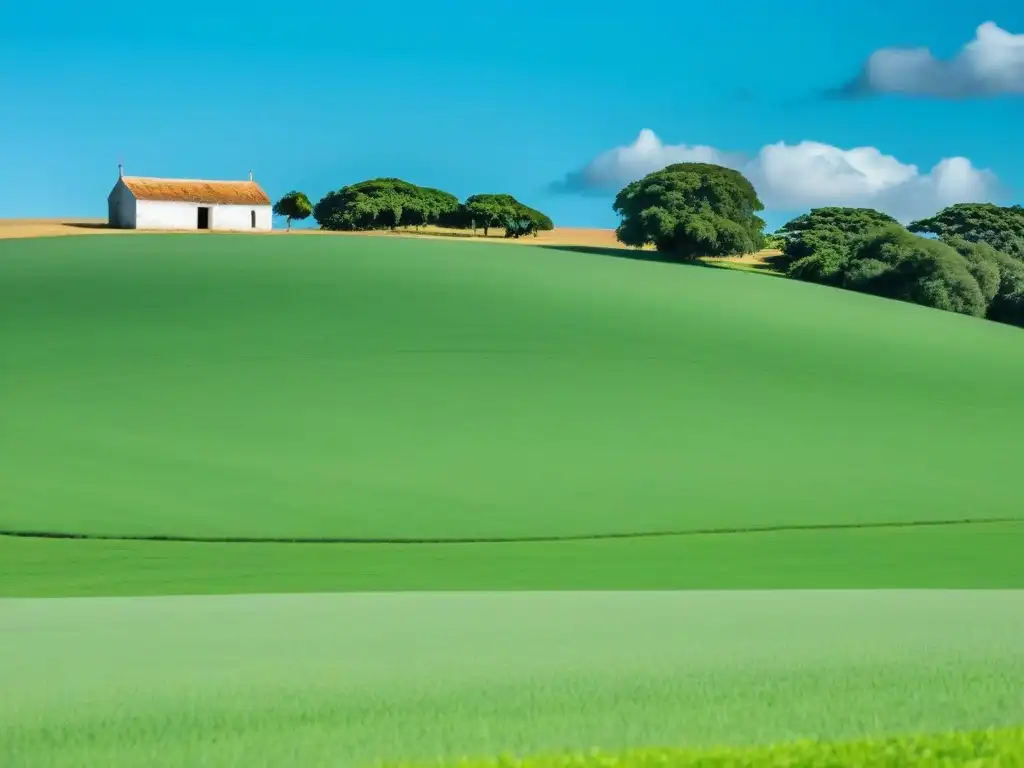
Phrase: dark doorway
x=254 y=219
x=204 y=218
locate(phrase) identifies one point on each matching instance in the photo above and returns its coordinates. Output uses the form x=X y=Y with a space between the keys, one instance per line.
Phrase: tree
x=983 y=263
x=897 y=264
x=520 y=225
x=487 y=211
x=864 y=250
x=1000 y=276
x=391 y=203
x=816 y=246
x=517 y=219
x=689 y=210
x=437 y=205
x=372 y=204
x=1001 y=227
x=541 y=222
x=294 y=205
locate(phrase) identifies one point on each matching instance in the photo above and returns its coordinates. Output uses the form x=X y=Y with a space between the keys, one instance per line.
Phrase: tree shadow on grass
x=88 y=224
x=770 y=265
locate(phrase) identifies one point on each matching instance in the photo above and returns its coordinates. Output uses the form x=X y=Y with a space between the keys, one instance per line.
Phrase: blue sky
x=505 y=97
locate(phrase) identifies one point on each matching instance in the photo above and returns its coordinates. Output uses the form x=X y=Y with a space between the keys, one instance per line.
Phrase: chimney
x=120 y=171
x=250 y=175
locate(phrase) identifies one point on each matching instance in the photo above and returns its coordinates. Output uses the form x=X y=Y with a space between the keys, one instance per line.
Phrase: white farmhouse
x=136 y=202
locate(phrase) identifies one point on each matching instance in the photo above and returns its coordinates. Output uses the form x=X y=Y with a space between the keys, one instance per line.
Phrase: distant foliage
x=689 y=210
x=294 y=205
x=817 y=244
x=865 y=250
x=967 y=258
x=1000 y=276
x=504 y=211
x=900 y=265
x=389 y=203
x=999 y=226
x=382 y=204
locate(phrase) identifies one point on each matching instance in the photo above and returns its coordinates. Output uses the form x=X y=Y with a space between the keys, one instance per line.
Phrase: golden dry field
x=604 y=238
x=566 y=236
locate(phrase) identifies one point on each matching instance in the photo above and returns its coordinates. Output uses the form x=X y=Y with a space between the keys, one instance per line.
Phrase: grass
x=969 y=556
x=405 y=389
x=980 y=749
x=400 y=389
x=352 y=679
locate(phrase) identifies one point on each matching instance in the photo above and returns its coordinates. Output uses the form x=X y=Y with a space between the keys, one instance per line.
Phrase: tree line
x=967 y=258
x=389 y=203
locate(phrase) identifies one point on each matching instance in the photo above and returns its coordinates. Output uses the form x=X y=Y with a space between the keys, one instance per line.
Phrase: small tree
x=519 y=225
x=488 y=211
x=294 y=205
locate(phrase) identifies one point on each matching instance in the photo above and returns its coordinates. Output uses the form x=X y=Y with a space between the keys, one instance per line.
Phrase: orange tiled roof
x=197 y=191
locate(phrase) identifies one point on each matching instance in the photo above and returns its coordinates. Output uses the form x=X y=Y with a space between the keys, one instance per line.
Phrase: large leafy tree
x=816 y=246
x=294 y=205
x=1000 y=226
x=391 y=203
x=374 y=204
x=689 y=210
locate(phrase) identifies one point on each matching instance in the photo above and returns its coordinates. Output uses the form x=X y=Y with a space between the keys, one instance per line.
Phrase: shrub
x=899 y=265
x=1000 y=276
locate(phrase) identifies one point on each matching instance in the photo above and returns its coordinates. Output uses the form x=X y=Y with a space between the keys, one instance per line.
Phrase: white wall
x=239 y=217
x=154 y=214
x=121 y=207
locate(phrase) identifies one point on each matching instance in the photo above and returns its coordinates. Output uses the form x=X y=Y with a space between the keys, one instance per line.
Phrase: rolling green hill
x=241 y=388
x=400 y=390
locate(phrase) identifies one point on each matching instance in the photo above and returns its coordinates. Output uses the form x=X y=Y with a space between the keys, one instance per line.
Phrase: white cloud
x=645 y=155
x=805 y=175
x=991 y=64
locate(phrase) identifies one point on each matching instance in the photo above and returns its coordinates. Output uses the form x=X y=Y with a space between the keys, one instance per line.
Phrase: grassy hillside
x=395 y=389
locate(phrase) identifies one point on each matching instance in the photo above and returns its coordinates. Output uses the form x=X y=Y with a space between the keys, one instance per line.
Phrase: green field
x=463 y=417
x=317 y=680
